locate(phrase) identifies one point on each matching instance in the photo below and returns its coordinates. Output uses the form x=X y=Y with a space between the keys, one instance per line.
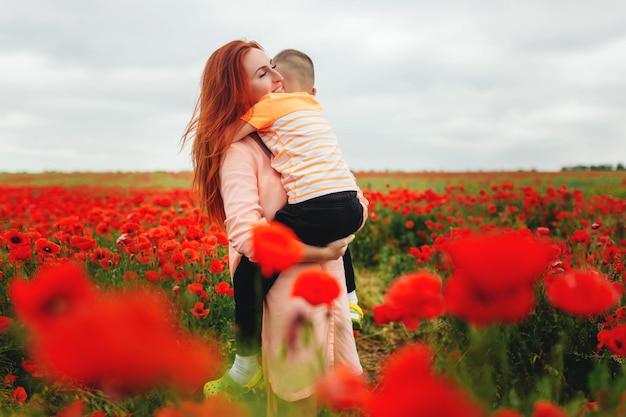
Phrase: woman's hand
x=334 y=250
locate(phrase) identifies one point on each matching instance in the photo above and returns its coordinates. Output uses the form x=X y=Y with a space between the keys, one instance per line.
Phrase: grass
x=594 y=182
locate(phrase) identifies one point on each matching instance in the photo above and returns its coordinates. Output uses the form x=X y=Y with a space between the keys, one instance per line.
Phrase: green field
x=594 y=182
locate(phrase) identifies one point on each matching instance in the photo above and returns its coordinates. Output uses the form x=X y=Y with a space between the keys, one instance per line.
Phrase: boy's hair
x=296 y=65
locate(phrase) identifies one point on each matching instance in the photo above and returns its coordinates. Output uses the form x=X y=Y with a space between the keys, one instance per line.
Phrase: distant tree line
x=601 y=167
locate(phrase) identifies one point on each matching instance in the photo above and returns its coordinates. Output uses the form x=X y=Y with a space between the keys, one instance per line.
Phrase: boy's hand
x=334 y=250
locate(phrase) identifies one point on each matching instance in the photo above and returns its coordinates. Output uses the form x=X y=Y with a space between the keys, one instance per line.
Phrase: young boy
x=318 y=219
x=322 y=203
x=299 y=75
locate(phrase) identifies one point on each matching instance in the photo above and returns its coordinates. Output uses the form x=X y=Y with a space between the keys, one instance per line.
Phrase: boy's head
x=297 y=70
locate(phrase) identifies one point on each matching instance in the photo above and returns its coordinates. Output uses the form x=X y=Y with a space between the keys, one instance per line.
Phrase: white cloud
x=408 y=85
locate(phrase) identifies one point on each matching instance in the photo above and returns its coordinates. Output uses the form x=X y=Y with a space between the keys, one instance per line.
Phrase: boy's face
x=262 y=76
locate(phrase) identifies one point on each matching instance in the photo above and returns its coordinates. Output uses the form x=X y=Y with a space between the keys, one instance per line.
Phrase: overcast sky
x=410 y=85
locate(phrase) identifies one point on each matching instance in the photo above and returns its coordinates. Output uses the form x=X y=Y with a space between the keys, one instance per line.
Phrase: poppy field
x=485 y=294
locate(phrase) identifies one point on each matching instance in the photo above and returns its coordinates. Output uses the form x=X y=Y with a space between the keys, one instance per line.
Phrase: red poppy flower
x=543 y=408
x=103 y=228
x=209 y=244
x=21 y=253
x=411 y=298
x=215 y=406
x=51 y=295
x=19 y=395
x=178 y=259
x=216 y=267
x=582 y=293
x=494 y=275
x=133 y=244
x=130 y=276
x=224 y=288
x=104 y=257
x=316 y=287
x=580 y=236
x=482 y=308
x=191 y=255
x=15 y=239
x=73 y=409
x=45 y=247
x=222 y=239
x=410 y=387
x=169 y=245
x=134 y=343
x=82 y=243
x=276 y=247
x=410 y=360
x=152 y=276
x=9 y=379
x=614 y=339
x=131 y=228
x=499 y=259
x=196 y=288
x=199 y=311
x=32 y=368
x=341 y=388
x=5 y=324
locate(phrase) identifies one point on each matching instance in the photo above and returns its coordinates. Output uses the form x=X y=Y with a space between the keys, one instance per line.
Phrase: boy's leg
x=356 y=313
x=249 y=291
x=248 y=307
x=349 y=271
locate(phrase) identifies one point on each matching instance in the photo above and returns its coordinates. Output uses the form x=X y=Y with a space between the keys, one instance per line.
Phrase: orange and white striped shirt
x=304 y=147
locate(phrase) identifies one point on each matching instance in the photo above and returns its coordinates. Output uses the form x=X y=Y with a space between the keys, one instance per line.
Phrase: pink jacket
x=252 y=192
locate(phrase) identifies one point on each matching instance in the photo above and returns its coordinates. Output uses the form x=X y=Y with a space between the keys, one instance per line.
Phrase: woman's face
x=262 y=75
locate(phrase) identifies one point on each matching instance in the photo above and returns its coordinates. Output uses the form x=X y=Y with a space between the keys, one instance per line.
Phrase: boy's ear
x=313 y=91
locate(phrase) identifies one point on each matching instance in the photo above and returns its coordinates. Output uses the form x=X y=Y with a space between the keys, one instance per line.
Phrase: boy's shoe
x=356 y=314
x=225 y=385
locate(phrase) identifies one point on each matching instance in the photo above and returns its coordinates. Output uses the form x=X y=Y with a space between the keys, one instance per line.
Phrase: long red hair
x=224 y=98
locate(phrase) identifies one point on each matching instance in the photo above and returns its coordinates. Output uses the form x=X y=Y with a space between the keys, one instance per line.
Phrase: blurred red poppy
x=410 y=387
x=135 y=342
x=582 y=293
x=614 y=339
x=82 y=243
x=51 y=295
x=44 y=247
x=19 y=395
x=199 y=311
x=215 y=406
x=21 y=253
x=224 y=288
x=544 y=408
x=5 y=324
x=216 y=267
x=15 y=238
x=341 y=388
x=276 y=247
x=494 y=275
x=411 y=298
x=316 y=287
x=196 y=288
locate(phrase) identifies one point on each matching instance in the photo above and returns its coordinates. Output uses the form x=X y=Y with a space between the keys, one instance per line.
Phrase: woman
x=238 y=188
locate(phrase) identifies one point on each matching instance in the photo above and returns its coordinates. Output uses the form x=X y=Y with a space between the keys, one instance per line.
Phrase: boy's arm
x=244 y=130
